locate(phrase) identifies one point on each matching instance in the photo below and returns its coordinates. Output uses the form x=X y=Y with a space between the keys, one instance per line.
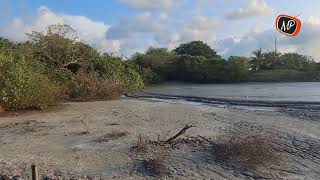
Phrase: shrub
x=148 y=76
x=88 y=86
x=108 y=67
x=247 y=147
x=246 y=151
x=150 y=159
x=23 y=84
x=155 y=166
x=158 y=60
x=112 y=68
x=132 y=80
x=61 y=75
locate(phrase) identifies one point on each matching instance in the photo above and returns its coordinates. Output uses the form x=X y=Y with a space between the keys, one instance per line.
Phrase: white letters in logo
x=289 y=25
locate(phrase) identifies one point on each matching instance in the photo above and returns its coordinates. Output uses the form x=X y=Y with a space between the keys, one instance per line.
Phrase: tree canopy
x=196 y=48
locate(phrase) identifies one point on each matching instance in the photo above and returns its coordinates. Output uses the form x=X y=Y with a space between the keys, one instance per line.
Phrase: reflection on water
x=295 y=91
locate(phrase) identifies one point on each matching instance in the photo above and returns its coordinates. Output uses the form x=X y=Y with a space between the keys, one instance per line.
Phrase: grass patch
x=114 y=135
x=154 y=166
x=247 y=149
x=150 y=158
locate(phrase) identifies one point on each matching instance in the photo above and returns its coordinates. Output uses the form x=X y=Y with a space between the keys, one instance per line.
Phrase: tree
x=158 y=60
x=6 y=45
x=238 y=68
x=257 y=60
x=264 y=61
x=157 y=51
x=295 y=61
x=271 y=60
x=196 y=48
x=60 y=48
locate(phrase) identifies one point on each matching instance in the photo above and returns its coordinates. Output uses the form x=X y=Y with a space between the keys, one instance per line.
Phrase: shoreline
x=235 y=102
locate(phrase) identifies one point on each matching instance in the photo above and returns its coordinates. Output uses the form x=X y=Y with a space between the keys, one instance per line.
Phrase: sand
x=63 y=143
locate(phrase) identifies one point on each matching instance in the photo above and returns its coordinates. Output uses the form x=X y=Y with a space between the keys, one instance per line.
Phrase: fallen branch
x=178 y=134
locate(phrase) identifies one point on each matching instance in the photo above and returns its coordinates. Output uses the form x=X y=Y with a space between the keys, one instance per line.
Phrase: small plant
x=141 y=145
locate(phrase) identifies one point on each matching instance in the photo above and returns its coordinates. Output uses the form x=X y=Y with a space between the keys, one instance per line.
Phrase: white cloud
x=258 y=27
x=165 y=29
x=161 y=30
x=253 y=8
x=198 y=28
x=313 y=20
x=18 y=27
x=132 y=27
x=307 y=42
x=163 y=17
x=89 y=31
x=152 y=5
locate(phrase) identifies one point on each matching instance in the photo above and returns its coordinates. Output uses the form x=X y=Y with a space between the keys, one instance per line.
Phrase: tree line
x=55 y=66
x=197 y=62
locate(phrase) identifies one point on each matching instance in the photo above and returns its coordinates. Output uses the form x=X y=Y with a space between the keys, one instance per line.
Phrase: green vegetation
x=55 y=65
x=285 y=76
x=196 y=48
x=196 y=62
x=23 y=84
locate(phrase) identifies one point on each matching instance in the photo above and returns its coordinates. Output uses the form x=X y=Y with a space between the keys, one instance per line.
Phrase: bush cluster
x=24 y=85
x=56 y=66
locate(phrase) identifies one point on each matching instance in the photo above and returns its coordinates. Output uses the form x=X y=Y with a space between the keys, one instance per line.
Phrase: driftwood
x=178 y=134
x=34 y=172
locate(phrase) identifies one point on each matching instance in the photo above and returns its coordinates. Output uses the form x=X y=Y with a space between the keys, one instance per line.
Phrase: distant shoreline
x=235 y=102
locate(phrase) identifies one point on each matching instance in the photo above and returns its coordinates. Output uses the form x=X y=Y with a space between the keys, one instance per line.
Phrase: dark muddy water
x=297 y=91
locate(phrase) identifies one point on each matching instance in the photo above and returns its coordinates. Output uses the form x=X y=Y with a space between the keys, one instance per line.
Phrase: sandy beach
x=65 y=143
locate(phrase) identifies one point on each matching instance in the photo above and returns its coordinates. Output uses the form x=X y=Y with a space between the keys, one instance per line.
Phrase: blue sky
x=233 y=27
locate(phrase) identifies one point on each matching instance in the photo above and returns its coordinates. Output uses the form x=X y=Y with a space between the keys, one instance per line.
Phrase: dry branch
x=178 y=134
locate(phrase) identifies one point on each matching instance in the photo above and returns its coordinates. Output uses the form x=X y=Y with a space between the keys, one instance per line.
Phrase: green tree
x=238 y=68
x=196 y=48
x=257 y=60
x=6 y=45
x=264 y=60
x=157 y=51
x=158 y=60
x=270 y=60
x=60 y=48
x=295 y=61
